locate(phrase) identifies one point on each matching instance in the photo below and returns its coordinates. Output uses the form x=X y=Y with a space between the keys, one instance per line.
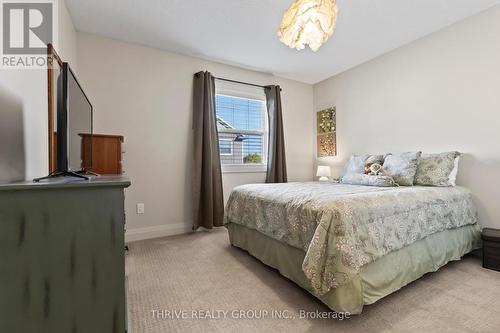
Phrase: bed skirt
x=375 y=280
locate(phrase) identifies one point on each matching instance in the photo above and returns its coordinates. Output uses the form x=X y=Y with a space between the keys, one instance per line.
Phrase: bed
x=351 y=245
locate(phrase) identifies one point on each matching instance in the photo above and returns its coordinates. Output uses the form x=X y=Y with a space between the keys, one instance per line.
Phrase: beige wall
x=437 y=94
x=66 y=46
x=146 y=95
x=30 y=87
x=12 y=157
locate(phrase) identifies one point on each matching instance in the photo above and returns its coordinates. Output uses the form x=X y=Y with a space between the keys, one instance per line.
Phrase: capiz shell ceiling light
x=308 y=22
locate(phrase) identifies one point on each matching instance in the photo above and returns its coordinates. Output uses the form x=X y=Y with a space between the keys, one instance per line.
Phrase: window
x=241 y=124
x=226 y=147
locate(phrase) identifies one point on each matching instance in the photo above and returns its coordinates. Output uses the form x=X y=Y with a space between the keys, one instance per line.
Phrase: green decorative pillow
x=362 y=179
x=402 y=167
x=437 y=169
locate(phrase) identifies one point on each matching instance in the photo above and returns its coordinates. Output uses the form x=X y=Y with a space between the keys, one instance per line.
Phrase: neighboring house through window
x=226 y=147
x=242 y=128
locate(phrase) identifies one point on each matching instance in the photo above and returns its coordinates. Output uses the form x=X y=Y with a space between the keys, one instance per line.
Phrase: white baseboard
x=156 y=231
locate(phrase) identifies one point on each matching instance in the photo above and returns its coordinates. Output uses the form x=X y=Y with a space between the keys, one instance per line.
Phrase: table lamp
x=324 y=172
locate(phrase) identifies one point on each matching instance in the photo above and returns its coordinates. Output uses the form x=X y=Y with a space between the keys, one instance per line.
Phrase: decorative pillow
x=454 y=173
x=402 y=167
x=437 y=169
x=355 y=164
x=372 y=159
x=362 y=179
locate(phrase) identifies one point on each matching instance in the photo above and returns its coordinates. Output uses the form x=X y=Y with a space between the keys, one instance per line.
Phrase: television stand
x=83 y=172
x=76 y=174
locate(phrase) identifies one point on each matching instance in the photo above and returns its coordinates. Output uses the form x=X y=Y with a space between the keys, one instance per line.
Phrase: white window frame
x=230 y=145
x=244 y=92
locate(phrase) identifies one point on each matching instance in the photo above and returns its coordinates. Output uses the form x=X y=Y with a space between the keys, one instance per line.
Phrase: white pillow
x=454 y=172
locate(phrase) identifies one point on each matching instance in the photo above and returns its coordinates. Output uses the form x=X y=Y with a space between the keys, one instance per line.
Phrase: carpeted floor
x=201 y=272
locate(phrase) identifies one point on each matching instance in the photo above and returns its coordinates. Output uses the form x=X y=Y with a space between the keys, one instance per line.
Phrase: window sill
x=237 y=168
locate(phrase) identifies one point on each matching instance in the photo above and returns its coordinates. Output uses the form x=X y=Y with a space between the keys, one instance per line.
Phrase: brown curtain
x=208 y=203
x=276 y=161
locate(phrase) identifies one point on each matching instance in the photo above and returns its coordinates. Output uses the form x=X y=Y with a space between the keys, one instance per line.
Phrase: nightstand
x=491 y=248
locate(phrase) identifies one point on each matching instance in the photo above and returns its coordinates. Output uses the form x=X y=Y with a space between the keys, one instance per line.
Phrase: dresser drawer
x=491 y=252
x=491 y=263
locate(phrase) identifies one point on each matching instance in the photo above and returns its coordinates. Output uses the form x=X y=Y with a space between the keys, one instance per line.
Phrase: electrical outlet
x=140 y=208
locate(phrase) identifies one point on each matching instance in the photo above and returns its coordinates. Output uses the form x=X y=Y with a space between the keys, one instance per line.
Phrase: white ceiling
x=243 y=32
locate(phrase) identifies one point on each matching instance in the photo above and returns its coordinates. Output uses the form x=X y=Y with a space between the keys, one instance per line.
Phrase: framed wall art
x=326 y=130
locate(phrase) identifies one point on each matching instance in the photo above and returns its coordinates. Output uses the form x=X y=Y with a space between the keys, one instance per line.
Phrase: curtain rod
x=240 y=82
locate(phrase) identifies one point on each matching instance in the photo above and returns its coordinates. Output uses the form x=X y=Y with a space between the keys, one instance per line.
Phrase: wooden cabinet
x=62 y=259
x=103 y=152
x=491 y=248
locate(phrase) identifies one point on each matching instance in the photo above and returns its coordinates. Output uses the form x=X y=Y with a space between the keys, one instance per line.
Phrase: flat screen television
x=74 y=120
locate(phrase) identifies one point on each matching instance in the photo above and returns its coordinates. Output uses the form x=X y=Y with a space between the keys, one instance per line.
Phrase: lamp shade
x=308 y=22
x=324 y=171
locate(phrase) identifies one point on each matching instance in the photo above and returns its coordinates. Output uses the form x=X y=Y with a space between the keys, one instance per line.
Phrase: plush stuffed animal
x=368 y=165
x=377 y=170
x=376 y=162
x=375 y=159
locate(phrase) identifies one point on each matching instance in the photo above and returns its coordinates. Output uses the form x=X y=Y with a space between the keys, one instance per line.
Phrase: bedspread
x=343 y=227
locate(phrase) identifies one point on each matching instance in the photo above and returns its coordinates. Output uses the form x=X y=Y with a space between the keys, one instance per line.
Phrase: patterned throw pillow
x=402 y=167
x=437 y=169
x=375 y=159
x=362 y=179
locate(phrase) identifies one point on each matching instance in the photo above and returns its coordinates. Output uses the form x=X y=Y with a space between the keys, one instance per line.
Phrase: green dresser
x=62 y=267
